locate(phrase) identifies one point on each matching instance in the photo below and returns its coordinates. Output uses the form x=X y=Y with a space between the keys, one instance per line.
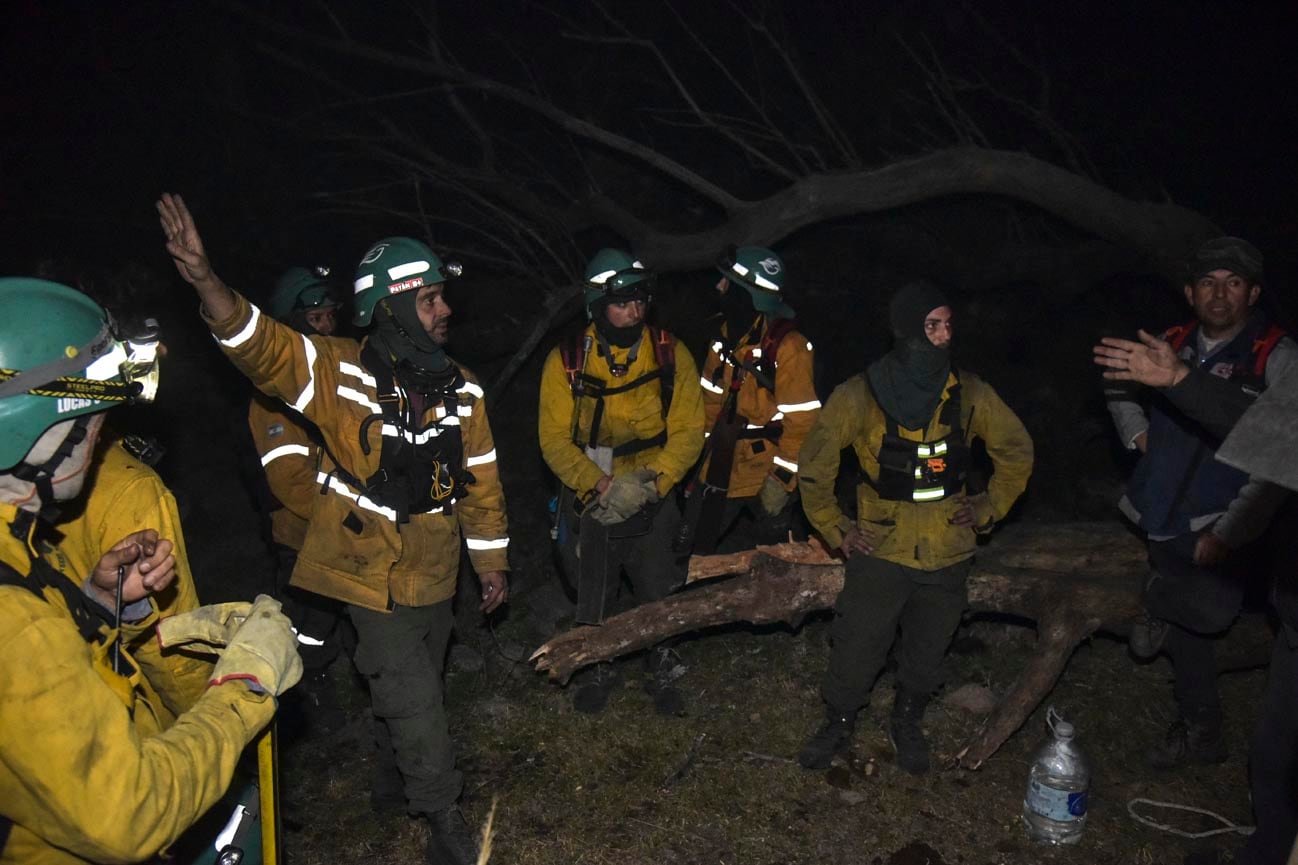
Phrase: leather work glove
x=626 y=496
x=259 y=644
x=773 y=496
x=214 y=624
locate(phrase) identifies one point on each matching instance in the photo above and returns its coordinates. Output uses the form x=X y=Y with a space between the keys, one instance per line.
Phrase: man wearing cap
x=287 y=447
x=408 y=477
x=620 y=423
x=911 y=418
x=759 y=396
x=1194 y=510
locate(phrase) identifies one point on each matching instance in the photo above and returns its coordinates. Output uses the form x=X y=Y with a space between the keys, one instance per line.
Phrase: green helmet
x=394 y=265
x=300 y=288
x=761 y=272
x=613 y=273
x=59 y=359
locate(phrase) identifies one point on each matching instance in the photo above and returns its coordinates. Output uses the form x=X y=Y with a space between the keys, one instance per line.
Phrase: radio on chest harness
x=421 y=467
x=911 y=471
x=574 y=352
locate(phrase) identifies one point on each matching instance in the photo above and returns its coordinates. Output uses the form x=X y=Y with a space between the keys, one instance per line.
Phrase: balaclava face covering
x=55 y=468
x=622 y=337
x=400 y=335
x=908 y=381
x=737 y=311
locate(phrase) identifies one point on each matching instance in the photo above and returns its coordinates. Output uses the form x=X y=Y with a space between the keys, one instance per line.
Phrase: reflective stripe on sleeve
x=497 y=544
x=470 y=387
x=488 y=457
x=707 y=385
x=785 y=464
x=246 y=333
x=283 y=451
x=308 y=392
x=790 y=408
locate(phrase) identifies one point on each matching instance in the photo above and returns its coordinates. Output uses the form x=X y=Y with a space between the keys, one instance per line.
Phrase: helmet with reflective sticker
x=760 y=271
x=394 y=265
x=300 y=288
x=59 y=360
x=613 y=273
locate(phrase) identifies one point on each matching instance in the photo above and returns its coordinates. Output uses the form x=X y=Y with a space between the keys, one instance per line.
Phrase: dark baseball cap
x=1228 y=253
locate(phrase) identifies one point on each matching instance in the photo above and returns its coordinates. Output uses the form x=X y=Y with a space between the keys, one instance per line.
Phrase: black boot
x=905 y=733
x=451 y=842
x=594 y=689
x=833 y=737
x=1192 y=738
x=665 y=668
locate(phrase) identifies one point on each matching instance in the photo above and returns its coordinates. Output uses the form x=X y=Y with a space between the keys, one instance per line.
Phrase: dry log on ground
x=1071 y=579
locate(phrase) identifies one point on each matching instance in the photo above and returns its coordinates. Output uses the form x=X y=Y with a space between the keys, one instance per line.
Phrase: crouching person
x=620 y=422
x=105 y=753
x=910 y=417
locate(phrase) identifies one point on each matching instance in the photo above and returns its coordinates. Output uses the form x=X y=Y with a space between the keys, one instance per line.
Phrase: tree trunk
x=1072 y=579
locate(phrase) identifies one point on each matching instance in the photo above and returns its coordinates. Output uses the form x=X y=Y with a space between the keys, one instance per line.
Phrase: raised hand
x=1150 y=361
x=184 y=244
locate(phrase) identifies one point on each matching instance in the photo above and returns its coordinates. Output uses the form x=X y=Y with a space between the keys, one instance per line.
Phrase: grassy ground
x=719 y=785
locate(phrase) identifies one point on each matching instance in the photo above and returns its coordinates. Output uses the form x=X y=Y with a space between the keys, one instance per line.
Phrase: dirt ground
x=719 y=785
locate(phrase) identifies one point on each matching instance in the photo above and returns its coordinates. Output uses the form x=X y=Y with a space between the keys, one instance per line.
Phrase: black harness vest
x=911 y=471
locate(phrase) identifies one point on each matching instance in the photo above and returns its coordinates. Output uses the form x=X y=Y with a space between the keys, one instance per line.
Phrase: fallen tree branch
x=1072 y=579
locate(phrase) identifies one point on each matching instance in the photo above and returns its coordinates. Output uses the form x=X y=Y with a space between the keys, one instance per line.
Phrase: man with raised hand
x=409 y=475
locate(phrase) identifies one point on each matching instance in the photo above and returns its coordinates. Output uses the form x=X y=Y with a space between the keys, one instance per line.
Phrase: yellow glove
x=626 y=496
x=214 y=624
x=259 y=644
x=773 y=495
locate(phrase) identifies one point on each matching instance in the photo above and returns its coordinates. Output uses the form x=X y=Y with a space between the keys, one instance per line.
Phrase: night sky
x=109 y=104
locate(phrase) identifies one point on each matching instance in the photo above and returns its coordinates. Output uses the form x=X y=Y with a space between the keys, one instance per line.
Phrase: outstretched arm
x=186 y=248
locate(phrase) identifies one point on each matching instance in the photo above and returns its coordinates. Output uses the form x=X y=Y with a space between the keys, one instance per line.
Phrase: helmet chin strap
x=42 y=476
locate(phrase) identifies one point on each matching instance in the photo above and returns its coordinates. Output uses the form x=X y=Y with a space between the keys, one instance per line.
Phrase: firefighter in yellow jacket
x=286 y=446
x=620 y=423
x=759 y=396
x=409 y=474
x=910 y=417
x=105 y=755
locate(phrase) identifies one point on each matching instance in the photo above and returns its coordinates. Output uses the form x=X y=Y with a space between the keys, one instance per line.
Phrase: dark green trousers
x=878 y=599
x=402 y=655
x=648 y=561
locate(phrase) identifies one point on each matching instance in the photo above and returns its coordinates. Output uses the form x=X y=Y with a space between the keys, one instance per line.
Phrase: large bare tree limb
x=1071 y=579
x=1163 y=232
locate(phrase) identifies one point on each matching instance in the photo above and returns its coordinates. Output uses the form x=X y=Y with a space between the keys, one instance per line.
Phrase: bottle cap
x=1064 y=730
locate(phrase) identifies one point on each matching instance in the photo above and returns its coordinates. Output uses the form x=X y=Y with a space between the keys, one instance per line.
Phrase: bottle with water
x=1054 y=808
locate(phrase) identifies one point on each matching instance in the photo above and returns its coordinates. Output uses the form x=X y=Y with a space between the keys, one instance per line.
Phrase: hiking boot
x=1188 y=742
x=594 y=689
x=665 y=668
x=905 y=734
x=451 y=842
x=833 y=737
x=1147 y=636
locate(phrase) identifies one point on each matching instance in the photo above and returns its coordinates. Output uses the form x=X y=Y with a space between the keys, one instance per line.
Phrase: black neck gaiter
x=399 y=335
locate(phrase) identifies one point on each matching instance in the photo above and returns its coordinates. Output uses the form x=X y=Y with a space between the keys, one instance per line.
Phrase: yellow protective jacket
x=92 y=766
x=628 y=416
x=353 y=550
x=793 y=406
x=915 y=534
x=290 y=460
x=124 y=495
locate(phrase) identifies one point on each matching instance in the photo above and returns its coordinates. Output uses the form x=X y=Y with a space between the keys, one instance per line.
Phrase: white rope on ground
x=1227 y=829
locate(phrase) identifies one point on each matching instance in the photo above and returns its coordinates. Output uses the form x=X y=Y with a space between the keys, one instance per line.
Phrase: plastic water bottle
x=1054 y=808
